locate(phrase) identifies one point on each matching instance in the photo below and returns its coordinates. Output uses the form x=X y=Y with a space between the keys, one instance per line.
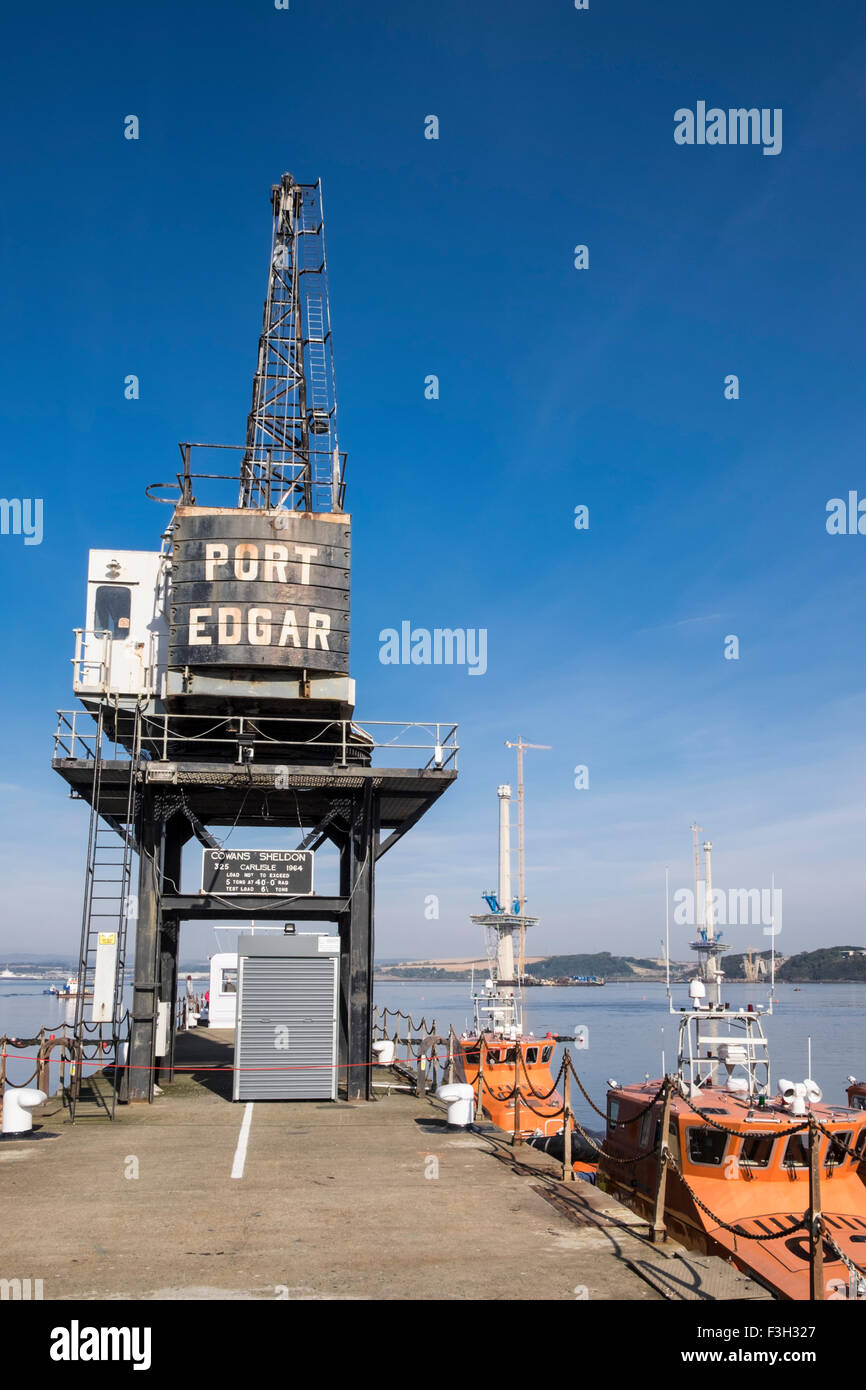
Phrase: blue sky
x=558 y=387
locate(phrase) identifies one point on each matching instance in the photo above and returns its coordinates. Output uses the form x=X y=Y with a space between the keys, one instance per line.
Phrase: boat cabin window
x=647 y=1129
x=861 y=1142
x=612 y=1111
x=706 y=1145
x=111 y=611
x=546 y=1054
x=229 y=982
x=531 y=1055
x=472 y=1058
x=796 y=1152
x=492 y=1057
x=858 y=1102
x=510 y=1055
x=757 y=1150
x=837 y=1148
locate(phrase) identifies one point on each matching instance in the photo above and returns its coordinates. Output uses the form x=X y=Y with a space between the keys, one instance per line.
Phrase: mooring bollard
x=459 y=1099
x=18 y=1104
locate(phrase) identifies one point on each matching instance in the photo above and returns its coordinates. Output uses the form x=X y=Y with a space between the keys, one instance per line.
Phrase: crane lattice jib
x=291 y=456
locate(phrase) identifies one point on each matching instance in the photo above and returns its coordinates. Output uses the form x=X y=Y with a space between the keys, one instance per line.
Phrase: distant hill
x=419 y=972
x=546 y=968
x=598 y=963
x=830 y=964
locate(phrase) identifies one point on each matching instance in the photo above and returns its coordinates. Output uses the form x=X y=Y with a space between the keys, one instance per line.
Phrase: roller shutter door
x=286 y=1042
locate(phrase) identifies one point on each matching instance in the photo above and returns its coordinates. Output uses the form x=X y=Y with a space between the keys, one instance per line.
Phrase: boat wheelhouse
x=738 y=1167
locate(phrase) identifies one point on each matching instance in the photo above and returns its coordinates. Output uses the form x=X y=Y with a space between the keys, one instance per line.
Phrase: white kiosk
x=222 y=1009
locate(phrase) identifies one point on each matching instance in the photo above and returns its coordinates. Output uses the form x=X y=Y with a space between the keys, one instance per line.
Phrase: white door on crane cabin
x=125 y=621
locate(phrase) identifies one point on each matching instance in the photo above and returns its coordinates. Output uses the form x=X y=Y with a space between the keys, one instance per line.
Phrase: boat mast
x=718 y=1045
x=520 y=744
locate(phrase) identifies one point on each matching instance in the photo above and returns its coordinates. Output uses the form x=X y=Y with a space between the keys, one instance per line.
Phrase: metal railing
x=420 y=1063
x=266 y=738
x=77 y=737
x=284 y=480
x=92 y=663
x=82 y=1058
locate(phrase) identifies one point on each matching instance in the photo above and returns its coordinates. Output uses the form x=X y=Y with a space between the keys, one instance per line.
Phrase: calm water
x=628 y=1026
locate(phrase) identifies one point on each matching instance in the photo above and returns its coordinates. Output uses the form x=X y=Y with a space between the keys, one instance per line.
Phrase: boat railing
x=723 y=1043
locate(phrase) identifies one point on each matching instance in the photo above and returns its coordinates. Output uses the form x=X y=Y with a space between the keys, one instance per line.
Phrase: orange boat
x=738 y=1177
x=494 y=1055
x=498 y=1053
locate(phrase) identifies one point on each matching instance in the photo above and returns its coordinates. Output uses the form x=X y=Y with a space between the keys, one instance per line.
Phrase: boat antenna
x=668 y=938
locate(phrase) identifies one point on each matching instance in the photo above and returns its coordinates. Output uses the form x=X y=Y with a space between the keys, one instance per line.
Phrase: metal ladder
x=108 y=905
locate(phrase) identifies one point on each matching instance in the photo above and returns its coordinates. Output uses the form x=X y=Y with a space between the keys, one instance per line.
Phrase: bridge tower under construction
x=214 y=688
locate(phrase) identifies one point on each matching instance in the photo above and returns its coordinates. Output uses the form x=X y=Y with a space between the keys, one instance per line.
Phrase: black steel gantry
x=361 y=810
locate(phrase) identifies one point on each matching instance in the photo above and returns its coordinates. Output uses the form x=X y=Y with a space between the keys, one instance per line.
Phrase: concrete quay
x=194 y=1197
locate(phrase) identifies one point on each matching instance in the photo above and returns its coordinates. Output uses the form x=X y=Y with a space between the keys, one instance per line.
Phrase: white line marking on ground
x=243 y=1139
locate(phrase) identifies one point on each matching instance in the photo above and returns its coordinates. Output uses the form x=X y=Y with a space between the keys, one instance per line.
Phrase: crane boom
x=291 y=456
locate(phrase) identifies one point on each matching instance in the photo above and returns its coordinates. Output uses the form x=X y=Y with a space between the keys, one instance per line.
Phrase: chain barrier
x=739 y=1133
x=734 y=1228
x=825 y=1235
x=612 y=1158
x=46 y=1046
x=506 y=1095
x=384 y=1014
x=837 y=1143
x=617 y=1124
x=544 y=1114
x=541 y=1095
